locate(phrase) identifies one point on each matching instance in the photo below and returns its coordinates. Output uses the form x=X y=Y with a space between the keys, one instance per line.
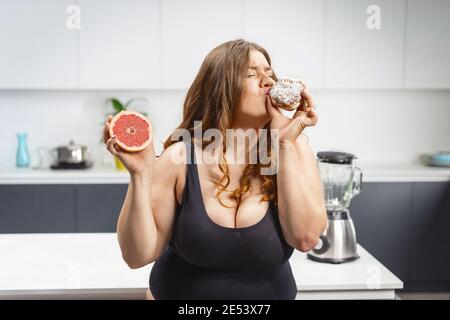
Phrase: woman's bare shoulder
x=174 y=155
x=171 y=166
x=172 y=159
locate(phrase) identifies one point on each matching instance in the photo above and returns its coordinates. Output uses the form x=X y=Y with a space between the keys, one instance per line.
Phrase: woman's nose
x=267 y=82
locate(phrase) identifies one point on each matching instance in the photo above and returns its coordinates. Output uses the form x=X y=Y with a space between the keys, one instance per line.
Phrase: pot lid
x=72 y=145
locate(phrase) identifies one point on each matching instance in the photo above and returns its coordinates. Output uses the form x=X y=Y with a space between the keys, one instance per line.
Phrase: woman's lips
x=267 y=91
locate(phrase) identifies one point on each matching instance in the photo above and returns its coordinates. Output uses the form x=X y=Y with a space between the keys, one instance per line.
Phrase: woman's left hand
x=290 y=129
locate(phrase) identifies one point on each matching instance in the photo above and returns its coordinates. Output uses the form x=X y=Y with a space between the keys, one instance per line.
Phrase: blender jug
x=341 y=181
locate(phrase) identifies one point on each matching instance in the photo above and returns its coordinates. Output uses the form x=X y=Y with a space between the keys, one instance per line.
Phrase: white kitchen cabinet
x=292 y=32
x=191 y=29
x=119 y=44
x=38 y=51
x=427 y=46
x=361 y=57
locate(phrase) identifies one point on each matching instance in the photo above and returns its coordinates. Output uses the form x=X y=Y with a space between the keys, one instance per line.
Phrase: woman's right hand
x=135 y=162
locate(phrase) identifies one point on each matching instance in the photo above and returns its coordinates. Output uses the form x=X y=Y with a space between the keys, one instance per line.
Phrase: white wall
x=376 y=125
x=383 y=125
x=52 y=118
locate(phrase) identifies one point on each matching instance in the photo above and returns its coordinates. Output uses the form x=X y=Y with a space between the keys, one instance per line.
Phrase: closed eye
x=252 y=75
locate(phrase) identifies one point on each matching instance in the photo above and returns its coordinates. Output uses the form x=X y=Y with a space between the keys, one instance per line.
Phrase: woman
x=224 y=230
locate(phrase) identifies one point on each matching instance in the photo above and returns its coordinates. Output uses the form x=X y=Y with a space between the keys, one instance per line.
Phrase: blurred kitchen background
x=379 y=71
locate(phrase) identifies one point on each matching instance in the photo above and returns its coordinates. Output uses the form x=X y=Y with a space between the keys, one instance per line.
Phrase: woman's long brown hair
x=213 y=99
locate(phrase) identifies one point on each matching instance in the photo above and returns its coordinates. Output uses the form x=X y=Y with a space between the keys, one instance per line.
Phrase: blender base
x=330 y=260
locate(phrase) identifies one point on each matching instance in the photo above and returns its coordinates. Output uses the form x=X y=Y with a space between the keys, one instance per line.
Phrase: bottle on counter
x=22 y=156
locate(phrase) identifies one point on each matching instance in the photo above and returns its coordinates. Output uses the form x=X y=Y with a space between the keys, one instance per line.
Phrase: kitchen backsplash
x=376 y=125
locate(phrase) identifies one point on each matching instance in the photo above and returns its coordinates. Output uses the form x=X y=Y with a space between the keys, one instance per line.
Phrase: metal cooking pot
x=71 y=153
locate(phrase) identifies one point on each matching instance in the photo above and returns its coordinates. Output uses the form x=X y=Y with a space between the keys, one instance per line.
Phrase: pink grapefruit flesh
x=133 y=130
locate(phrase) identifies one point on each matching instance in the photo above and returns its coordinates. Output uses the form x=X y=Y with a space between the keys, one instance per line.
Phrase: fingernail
x=114 y=136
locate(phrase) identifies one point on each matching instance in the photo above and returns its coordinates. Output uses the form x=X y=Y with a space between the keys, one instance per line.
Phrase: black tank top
x=205 y=260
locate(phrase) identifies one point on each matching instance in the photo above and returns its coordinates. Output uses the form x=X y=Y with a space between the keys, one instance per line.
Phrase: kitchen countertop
x=372 y=172
x=402 y=172
x=90 y=265
x=94 y=175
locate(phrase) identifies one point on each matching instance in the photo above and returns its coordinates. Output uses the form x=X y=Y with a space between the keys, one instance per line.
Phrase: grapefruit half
x=133 y=130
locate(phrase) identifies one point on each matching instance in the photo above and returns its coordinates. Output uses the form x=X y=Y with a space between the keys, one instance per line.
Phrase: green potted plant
x=118 y=106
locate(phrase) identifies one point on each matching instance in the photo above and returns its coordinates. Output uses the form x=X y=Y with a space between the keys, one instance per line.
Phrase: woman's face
x=258 y=81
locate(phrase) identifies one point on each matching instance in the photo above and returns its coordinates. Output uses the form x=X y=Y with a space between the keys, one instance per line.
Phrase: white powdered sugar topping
x=286 y=92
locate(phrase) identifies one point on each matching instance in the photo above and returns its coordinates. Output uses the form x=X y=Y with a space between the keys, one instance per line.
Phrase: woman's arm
x=301 y=205
x=136 y=228
x=146 y=219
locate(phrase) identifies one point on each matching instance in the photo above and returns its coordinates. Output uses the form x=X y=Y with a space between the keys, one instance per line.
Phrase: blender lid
x=336 y=157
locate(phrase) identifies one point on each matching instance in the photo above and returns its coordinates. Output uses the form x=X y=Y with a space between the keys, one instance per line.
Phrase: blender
x=341 y=181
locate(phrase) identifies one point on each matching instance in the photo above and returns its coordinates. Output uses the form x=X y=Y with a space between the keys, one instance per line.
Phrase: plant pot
x=119 y=164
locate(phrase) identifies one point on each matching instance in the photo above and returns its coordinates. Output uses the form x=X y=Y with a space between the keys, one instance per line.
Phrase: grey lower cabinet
x=37 y=208
x=406 y=225
x=98 y=206
x=381 y=214
x=430 y=239
x=34 y=208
